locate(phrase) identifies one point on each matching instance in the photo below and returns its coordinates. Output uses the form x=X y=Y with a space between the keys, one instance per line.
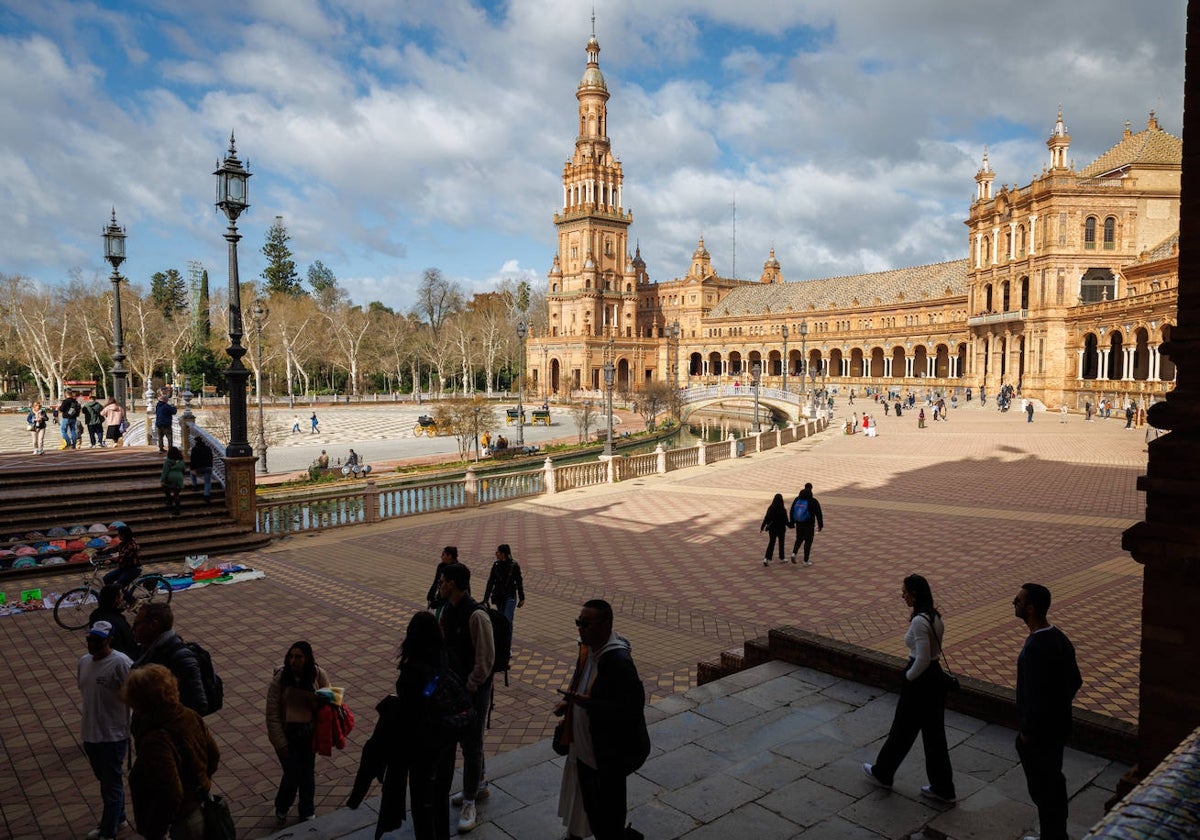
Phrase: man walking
x=1047 y=680
x=164 y=414
x=154 y=630
x=606 y=721
x=68 y=413
x=202 y=467
x=433 y=598
x=100 y=674
x=94 y=422
x=471 y=650
x=806 y=515
x=1029 y=411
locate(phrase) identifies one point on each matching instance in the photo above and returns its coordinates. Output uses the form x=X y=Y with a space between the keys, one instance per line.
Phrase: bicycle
x=73 y=607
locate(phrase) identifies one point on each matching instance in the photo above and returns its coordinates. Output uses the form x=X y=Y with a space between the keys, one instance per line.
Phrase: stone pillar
x=240 y=498
x=1153 y=374
x=548 y=469
x=1167 y=542
x=1079 y=368
x=1102 y=373
x=660 y=460
x=700 y=456
x=471 y=488
x=370 y=502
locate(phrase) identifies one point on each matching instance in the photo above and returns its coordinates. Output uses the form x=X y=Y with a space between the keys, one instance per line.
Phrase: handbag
x=218 y=822
x=950 y=681
x=560 y=748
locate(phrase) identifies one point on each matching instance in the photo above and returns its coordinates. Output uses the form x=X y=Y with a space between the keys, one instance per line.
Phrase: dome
x=593 y=78
x=701 y=253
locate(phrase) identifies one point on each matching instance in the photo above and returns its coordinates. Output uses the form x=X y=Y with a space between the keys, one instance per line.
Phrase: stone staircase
x=105 y=485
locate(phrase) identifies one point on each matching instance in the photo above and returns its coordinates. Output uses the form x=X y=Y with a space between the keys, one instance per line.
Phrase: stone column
x=1167 y=543
x=1103 y=352
x=240 y=498
x=1032 y=233
x=1079 y=369
x=1152 y=375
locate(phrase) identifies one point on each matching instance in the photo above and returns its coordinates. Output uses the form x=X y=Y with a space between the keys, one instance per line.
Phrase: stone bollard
x=661 y=461
x=548 y=469
x=371 y=502
x=701 y=460
x=471 y=488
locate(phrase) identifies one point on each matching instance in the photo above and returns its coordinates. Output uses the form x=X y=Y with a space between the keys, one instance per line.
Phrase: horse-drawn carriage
x=426 y=425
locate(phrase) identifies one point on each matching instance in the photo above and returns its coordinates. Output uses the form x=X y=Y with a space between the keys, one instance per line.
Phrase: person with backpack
x=505 y=588
x=806 y=515
x=471 y=651
x=154 y=631
x=291 y=712
x=164 y=419
x=776 y=524
x=68 y=413
x=415 y=737
x=94 y=422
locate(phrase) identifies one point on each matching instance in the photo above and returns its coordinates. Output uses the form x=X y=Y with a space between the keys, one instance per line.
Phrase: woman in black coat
x=414 y=740
x=776 y=523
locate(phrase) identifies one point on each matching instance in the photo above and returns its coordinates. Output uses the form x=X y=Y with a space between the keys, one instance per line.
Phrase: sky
x=398 y=135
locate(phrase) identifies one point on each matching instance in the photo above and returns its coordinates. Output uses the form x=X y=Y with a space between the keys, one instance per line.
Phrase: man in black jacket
x=202 y=467
x=1047 y=680
x=805 y=514
x=607 y=719
x=68 y=415
x=154 y=630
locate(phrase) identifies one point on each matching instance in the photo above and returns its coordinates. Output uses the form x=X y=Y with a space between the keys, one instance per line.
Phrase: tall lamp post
x=610 y=375
x=785 y=334
x=114 y=252
x=476 y=412
x=757 y=372
x=522 y=332
x=260 y=313
x=233 y=200
x=803 y=362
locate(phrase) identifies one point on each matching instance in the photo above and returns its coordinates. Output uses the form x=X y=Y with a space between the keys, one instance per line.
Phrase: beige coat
x=288 y=704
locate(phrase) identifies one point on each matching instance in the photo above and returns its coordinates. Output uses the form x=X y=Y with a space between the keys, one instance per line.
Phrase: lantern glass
x=114 y=243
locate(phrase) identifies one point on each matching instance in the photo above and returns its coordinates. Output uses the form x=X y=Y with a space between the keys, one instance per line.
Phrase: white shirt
x=922 y=644
x=105 y=715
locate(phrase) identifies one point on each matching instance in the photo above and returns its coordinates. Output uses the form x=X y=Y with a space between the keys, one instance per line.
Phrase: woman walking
x=505 y=586
x=922 y=704
x=291 y=714
x=172 y=478
x=176 y=757
x=36 y=420
x=413 y=741
x=113 y=416
x=776 y=523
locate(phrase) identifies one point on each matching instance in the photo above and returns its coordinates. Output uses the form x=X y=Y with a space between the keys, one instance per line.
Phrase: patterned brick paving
x=979 y=505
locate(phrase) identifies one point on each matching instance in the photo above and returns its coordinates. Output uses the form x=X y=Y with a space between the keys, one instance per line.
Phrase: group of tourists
x=102 y=423
x=804 y=515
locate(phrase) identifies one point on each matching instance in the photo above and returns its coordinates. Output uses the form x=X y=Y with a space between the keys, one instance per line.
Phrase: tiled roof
x=1152 y=146
x=922 y=282
x=1167 y=248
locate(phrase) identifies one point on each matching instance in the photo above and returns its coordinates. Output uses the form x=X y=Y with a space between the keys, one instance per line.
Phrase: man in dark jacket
x=1047 y=680
x=805 y=514
x=164 y=414
x=68 y=414
x=434 y=597
x=201 y=463
x=608 y=720
x=154 y=631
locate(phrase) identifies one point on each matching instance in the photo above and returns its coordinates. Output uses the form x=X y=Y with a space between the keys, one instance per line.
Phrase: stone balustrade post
x=701 y=460
x=660 y=466
x=371 y=502
x=548 y=470
x=471 y=488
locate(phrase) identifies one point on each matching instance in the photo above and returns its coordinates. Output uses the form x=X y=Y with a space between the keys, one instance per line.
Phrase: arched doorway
x=898 y=358
x=1116 y=356
x=555 y=373
x=695 y=365
x=876 y=367
x=1091 y=357
x=1141 y=354
x=735 y=364
x=1166 y=367
x=714 y=364
x=941 y=362
x=921 y=361
x=835 y=363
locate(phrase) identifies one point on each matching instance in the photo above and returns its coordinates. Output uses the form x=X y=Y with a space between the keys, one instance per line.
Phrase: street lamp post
x=260 y=313
x=476 y=411
x=233 y=200
x=757 y=372
x=522 y=332
x=785 y=334
x=803 y=361
x=610 y=372
x=114 y=252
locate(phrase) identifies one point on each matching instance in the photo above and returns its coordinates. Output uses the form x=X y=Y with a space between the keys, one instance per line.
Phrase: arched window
x=1110 y=233
x=1089 y=233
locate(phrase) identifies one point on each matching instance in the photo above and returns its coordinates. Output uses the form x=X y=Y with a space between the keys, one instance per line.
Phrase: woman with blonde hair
x=36 y=420
x=176 y=757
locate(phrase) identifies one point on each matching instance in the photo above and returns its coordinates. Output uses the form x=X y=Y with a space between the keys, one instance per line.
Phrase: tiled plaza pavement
x=979 y=505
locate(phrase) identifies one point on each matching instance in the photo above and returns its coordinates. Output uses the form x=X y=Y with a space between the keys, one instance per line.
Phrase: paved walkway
x=979 y=505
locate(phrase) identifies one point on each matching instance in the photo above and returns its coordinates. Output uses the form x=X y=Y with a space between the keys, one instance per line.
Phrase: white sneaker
x=94 y=834
x=481 y=792
x=766 y=562
x=467 y=820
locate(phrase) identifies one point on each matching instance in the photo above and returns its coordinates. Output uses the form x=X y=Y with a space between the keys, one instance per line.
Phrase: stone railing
x=300 y=511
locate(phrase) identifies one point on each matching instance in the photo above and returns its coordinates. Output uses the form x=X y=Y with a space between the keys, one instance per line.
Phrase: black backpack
x=502 y=639
x=214 y=688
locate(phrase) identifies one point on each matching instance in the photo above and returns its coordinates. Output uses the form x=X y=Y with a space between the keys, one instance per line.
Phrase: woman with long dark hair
x=414 y=739
x=291 y=714
x=922 y=705
x=776 y=523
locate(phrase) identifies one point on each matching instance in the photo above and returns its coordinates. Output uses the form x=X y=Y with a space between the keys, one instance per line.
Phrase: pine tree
x=280 y=273
x=325 y=285
x=169 y=292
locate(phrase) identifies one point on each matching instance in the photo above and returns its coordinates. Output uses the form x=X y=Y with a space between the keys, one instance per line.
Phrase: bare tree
x=467 y=420
x=46 y=344
x=654 y=398
x=437 y=299
x=584 y=414
x=349 y=327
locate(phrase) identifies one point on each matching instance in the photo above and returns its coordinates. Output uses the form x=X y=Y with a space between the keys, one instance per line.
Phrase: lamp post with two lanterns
x=522 y=332
x=756 y=371
x=784 y=332
x=114 y=252
x=803 y=362
x=610 y=372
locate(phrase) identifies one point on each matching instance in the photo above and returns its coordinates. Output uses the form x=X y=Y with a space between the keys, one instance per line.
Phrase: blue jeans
x=69 y=432
x=509 y=608
x=122 y=577
x=206 y=475
x=107 y=758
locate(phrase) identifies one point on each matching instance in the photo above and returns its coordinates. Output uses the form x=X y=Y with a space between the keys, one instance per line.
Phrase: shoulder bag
x=949 y=680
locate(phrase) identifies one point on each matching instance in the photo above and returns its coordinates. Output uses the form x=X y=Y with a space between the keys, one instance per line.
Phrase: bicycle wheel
x=72 y=609
x=150 y=588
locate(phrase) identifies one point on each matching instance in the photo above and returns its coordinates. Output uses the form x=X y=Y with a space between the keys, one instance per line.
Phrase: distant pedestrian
x=871 y=428
x=295 y=424
x=922 y=704
x=806 y=516
x=100 y=675
x=164 y=414
x=920 y=418
x=776 y=523
x=1130 y=410
x=887 y=408
x=171 y=478
x=1062 y=414
x=505 y=588
x=94 y=421
x=291 y=722
x=1087 y=411
x=898 y=408
x=1047 y=681
x=313 y=422
x=1029 y=411
x=323 y=460
x=113 y=416
x=202 y=466
x=128 y=560
x=36 y=421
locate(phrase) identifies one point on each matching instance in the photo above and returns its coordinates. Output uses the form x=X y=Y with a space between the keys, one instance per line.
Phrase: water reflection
x=710 y=427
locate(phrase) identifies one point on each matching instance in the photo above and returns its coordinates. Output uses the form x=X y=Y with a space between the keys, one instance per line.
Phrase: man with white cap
x=100 y=674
